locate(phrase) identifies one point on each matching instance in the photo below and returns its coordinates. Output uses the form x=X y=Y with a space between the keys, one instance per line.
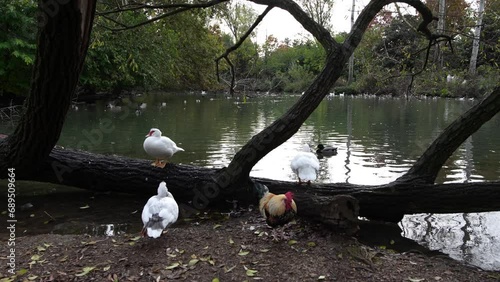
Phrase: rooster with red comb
x=277 y=209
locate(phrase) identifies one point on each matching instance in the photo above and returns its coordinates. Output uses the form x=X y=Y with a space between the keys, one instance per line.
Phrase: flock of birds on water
x=161 y=210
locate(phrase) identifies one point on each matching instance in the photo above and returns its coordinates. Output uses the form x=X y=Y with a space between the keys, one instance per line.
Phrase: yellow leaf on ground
x=135 y=238
x=415 y=279
x=251 y=272
x=21 y=271
x=193 y=262
x=173 y=265
x=35 y=257
x=86 y=270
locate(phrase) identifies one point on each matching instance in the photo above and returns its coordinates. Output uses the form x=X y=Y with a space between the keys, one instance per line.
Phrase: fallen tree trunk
x=391 y=201
x=195 y=188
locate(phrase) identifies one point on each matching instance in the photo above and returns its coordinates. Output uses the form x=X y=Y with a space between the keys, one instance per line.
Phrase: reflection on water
x=473 y=238
x=65 y=210
x=378 y=139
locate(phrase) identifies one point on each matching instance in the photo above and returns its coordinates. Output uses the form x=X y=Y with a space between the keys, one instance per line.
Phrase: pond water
x=378 y=139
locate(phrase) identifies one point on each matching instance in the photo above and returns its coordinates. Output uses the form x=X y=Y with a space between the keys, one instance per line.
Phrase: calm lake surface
x=378 y=139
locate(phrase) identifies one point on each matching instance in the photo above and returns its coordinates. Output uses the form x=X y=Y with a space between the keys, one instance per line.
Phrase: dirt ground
x=230 y=248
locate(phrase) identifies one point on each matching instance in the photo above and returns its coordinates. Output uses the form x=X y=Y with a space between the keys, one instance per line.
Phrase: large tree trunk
x=194 y=187
x=62 y=44
x=336 y=57
x=428 y=165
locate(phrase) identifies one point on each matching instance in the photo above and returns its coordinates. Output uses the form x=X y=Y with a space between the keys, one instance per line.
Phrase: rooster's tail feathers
x=261 y=189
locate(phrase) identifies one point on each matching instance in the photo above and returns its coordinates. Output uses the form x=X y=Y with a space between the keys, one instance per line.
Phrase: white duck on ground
x=305 y=165
x=159 y=212
x=160 y=147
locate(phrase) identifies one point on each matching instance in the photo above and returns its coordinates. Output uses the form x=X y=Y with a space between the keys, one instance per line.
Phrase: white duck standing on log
x=159 y=212
x=159 y=147
x=305 y=165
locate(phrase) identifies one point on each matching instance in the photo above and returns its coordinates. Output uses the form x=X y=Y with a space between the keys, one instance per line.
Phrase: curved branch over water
x=427 y=167
x=337 y=55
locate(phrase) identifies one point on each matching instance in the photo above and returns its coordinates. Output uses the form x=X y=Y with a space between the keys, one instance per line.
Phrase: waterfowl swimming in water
x=326 y=151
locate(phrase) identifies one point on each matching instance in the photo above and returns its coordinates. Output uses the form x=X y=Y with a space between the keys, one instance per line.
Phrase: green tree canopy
x=168 y=54
x=17 y=46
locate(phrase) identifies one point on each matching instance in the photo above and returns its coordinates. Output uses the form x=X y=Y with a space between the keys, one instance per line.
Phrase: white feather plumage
x=305 y=165
x=158 y=146
x=159 y=212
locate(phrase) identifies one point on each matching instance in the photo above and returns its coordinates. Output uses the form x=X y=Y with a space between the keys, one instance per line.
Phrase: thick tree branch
x=287 y=125
x=282 y=129
x=369 y=12
x=426 y=168
x=375 y=6
x=319 y=32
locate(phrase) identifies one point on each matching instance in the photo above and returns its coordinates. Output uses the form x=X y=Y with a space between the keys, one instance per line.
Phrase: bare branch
x=133 y=6
x=114 y=21
x=236 y=46
x=375 y=6
x=179 y=8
